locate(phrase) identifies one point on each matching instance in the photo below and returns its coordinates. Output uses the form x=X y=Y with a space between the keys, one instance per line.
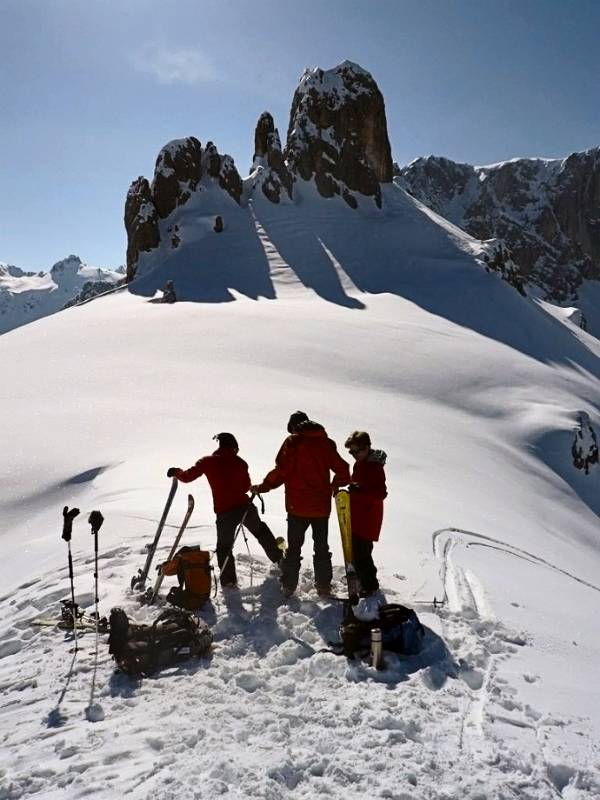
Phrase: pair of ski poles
x=95 y=520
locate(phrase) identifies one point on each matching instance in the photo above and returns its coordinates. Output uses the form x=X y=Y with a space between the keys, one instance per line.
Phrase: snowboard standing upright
x=342 y=505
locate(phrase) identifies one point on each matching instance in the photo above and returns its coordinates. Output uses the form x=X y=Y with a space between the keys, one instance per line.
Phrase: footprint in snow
x=10 y=647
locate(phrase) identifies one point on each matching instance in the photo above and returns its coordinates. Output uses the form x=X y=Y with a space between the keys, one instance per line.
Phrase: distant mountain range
x=27 y=296
x=547 y=212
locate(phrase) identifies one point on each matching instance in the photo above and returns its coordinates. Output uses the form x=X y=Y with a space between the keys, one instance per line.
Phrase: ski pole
x=68 y=517
x=238 y=529
x=95 y=520
x=93 y=711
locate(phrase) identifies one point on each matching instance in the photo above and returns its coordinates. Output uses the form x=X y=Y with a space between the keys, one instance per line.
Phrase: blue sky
x=91 y=89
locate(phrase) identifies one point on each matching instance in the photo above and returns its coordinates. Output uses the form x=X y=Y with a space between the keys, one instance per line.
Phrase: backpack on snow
x=401 y=631
x=140 y=650
x=192 y=567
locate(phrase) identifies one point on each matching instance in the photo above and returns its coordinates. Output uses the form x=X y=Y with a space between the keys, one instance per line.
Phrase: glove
x=171 y=472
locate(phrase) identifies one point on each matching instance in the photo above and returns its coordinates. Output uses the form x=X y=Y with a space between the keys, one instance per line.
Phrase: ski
x=151 y=594
x=139 y=581
x=84 y=625
x=342 y=505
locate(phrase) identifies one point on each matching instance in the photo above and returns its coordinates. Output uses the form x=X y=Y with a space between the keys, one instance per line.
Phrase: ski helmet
x=226 y=440
x=296 y=419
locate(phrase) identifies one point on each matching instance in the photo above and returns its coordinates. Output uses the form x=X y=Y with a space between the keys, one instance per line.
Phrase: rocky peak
x=268 y=165
x=181 y=166
x=338 y=133
x=66 y=268
x=176 y=174
x=546 y=210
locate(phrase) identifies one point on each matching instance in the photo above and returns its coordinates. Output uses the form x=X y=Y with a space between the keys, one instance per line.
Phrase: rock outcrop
x=337 y=133
x=547 y=212
x=180 y=168
x=223 y=170
x=141 y=223
x=176 y=175
x=270 y=169
x=585 y=445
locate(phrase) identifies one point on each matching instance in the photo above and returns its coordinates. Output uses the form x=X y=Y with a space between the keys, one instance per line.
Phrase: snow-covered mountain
x=547 y=211
x=27 y=296
x=384 y=317
x=200 y=225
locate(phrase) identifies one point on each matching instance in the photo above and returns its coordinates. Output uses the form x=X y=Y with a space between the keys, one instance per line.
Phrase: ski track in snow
x=479 y=643
x=267 y=714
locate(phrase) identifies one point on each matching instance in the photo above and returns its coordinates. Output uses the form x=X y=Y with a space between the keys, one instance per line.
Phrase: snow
x=338 y=84
x=381 y=320
x=27 y=296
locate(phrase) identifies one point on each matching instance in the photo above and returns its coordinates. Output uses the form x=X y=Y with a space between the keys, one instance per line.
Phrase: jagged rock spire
x=337 y=133
x=273 y=173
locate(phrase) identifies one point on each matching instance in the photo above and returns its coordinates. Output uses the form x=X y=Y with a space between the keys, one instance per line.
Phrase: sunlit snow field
x=475 y=407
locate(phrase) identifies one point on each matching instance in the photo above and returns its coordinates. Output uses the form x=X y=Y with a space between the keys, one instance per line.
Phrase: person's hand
x=353 y=487
x=256 y=489
x=171 y=472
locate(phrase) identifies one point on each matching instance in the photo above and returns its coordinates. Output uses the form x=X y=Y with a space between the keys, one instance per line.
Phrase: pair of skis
x=139 y=581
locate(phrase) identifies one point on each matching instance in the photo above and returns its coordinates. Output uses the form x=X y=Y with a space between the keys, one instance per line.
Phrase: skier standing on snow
x=229 y=481
x=367 y=493
x=302 y=465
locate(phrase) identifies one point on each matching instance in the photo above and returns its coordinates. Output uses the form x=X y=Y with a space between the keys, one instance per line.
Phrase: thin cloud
x=174 y=64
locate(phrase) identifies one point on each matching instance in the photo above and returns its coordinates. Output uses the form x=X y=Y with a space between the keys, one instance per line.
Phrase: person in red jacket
x=303 y=465
x=367 y=493
x=229 y=481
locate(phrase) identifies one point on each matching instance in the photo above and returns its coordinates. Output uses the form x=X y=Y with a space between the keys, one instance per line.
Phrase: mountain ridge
x=547 y=211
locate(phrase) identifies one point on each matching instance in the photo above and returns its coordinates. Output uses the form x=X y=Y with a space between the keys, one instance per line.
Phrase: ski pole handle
x=68 y=517
x=95 y=520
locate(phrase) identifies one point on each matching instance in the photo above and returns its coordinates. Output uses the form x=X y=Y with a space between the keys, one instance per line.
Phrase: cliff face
x=547 y=212
x=337 y=133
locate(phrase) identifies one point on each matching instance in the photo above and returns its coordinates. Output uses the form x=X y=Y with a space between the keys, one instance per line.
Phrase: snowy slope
x=27 y=296
x=473 y=390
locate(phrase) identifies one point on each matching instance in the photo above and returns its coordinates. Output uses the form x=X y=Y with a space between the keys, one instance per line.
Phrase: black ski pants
x=227 y=524
x=290 y=566
x=362 y=552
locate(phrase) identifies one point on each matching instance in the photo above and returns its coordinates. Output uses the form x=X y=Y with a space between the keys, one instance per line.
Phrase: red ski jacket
x=367 y=496
x=303 y=464
x=227 y=475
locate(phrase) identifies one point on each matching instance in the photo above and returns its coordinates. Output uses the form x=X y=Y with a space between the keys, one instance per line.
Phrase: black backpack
x=140 y=650
x=401 y=631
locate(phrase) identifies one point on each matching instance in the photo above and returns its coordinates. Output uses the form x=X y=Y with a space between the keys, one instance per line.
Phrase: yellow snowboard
x=342 y=505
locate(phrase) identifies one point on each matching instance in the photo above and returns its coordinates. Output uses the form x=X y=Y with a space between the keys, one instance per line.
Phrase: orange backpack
x=192 y=567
